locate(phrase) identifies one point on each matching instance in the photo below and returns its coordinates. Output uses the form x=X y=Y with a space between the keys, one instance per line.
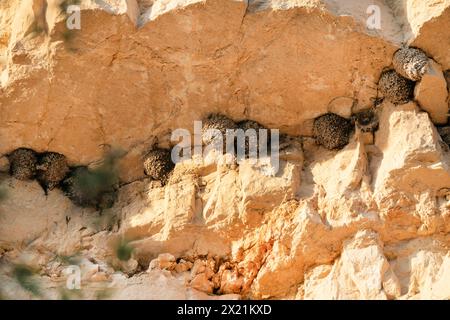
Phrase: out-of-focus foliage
x=25 y=277
x=124 y=250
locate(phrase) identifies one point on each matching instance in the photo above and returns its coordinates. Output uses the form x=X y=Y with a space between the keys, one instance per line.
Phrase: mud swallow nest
x=411 y=63
x=366 y=120
x=219 y=122
x=52 y=169
x=23 y=163
x=87 y=189
x=332 y=131
x=395 y=88
x=106 y=200
x=158 y=164
x=250 y=124
x=74 y=189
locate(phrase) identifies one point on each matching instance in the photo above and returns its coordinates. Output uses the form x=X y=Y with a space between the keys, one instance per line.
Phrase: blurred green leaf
x=124 y=250
x=25 y=277
x=65 y=294
x=103 y=294
x=101 y=179
x=97 y=187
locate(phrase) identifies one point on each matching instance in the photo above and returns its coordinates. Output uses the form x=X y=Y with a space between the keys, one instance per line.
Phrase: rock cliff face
x=368 y=221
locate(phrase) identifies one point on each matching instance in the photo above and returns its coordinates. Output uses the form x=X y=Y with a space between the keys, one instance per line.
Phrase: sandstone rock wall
x=370 y=221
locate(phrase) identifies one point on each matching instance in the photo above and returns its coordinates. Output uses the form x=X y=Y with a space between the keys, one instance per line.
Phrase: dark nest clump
x=411 y=63
x=23 y=163
x=52 y=169
x=445 y=134
x=72 y=186
x=87 y=188
x=332 y=131
x=366 y=120
x=396 y=88
x=447 y=77
x=250 y=124
x=106 y=200
x=219 y=122
x=158 y=164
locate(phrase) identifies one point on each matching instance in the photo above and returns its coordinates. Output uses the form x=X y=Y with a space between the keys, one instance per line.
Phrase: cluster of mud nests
x=220 y=123
x=397 y=85
x=48 y=168
x=88 y=188
x=84 y=187
x=333 y=131
x=158 y=164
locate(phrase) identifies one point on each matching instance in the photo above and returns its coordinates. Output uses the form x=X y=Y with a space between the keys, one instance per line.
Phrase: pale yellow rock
x=351 y=163
x=101 y=58
x=231 y=282
x=409 y=172
x=183 y=266
x=341 y=106
x=420 y=265
x=151 y=286
x=20 y=209
x=440 y=288
x=130 y=266
x=431 y=93
x=369 y=221
x=391 y=285
x=262 y=190
x=88 y=269
x=99 y=277
x=410 y=162
x=166 y=261
x=427 y=19
x=359 y=273
x=202 y=283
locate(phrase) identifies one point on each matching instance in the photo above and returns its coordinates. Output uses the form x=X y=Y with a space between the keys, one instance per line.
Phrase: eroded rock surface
x=369 y=220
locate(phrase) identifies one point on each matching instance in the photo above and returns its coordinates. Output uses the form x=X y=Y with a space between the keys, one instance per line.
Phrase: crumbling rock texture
x=158 y=164
x=395 y=88
x=411 y=63
x=23 y=163
x=332 y=131
x=431 y=93
x=368 y=221
x=52 y=169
